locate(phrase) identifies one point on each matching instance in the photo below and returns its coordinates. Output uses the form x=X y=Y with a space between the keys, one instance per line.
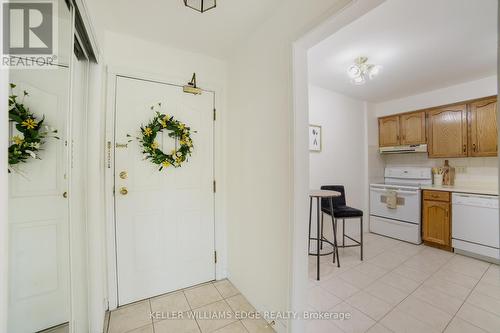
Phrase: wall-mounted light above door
x=200 y=5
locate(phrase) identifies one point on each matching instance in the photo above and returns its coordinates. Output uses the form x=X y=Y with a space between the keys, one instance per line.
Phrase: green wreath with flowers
x=176 y=130
x=28 y=143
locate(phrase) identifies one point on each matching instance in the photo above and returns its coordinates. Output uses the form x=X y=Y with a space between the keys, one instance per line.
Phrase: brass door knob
x=123 y=191
x=123 y=175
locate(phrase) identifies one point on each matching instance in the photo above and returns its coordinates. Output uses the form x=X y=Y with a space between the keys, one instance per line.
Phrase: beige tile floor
x=213 y=297
x=64 y=328
x=401 y=287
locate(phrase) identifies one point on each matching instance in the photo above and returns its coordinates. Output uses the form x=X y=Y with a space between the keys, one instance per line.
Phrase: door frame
x=219 y=218
x=323 y=29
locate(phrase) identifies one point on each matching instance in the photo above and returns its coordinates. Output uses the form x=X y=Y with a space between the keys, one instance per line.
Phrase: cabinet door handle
x=474 y=147
x=465 y=148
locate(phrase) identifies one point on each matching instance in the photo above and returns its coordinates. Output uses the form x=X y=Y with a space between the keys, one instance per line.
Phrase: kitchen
x=454 y=213
x=405 y=101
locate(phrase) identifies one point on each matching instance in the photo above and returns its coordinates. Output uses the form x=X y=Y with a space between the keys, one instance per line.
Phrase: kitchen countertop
x=466 y=188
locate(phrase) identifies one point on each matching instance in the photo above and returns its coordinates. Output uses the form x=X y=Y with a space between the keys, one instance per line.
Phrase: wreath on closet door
x=176 y=130
x=32 y=133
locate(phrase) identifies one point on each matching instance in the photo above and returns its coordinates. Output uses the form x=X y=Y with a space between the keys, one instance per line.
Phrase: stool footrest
x=358 y=243
x=323 y=240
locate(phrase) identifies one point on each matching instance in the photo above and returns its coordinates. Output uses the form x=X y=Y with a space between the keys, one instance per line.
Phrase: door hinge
x=215 y=256
x=215 y=114
x=215 y=186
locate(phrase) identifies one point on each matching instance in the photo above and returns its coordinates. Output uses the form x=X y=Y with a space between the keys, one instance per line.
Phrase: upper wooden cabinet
x=405 y=129
x=388 y=131
x=413 y=128
x=448 y=131
x=458 y=130
x=483 y=138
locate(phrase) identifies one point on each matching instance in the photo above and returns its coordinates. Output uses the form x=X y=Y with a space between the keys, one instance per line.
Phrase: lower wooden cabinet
x=436 y=219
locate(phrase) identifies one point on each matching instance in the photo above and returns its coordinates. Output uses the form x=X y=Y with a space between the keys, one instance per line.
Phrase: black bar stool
x=343 y=212
x=328 y=196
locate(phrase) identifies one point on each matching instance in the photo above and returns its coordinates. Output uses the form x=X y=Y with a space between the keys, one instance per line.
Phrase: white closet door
x=38 y=213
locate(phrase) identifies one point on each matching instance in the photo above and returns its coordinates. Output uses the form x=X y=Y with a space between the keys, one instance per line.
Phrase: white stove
x=395 y=204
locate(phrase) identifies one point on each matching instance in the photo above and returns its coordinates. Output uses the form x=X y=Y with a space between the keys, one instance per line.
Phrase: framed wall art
x=315 y=138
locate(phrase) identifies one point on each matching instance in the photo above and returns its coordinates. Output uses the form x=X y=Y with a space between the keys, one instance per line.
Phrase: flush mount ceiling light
x=360 y=71
x=200 y=5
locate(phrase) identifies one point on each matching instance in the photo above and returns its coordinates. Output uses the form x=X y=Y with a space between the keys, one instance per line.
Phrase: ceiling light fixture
x=360 y=71
x=200 y=5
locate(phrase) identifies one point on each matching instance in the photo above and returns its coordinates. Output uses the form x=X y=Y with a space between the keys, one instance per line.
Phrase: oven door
x=408 y=203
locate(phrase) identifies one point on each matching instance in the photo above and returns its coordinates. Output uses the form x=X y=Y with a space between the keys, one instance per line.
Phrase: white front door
x=38 y=212
x=165 y=223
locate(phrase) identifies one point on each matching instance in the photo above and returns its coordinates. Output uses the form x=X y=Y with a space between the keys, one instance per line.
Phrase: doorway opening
x=332 y=98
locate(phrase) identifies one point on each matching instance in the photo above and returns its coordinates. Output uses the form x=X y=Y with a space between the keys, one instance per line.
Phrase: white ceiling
x=421 y=45
x=169 y=22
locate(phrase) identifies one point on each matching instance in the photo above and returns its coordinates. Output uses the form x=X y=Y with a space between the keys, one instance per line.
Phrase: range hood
x=422 y=148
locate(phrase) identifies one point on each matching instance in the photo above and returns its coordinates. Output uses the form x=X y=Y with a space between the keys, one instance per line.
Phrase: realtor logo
x=28 y=33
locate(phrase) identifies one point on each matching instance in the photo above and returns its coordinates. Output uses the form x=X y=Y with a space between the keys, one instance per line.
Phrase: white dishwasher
x=475 y=225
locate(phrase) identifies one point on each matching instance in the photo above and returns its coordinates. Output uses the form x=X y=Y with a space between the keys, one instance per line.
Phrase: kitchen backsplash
x=472 y=170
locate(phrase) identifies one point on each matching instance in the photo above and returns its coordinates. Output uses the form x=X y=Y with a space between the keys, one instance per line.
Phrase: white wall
x=342 y=158
x=140 y=56
x=478 y=170
x=259 y=155
x=468 y=90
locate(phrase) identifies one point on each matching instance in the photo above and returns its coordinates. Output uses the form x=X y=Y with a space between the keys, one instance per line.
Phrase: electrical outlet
x=461 y=169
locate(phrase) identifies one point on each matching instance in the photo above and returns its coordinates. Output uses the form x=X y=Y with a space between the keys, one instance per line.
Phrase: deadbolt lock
x=123 y=175
x=123 y=191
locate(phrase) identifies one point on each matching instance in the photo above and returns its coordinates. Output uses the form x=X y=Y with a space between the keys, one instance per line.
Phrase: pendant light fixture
x=200 y=5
